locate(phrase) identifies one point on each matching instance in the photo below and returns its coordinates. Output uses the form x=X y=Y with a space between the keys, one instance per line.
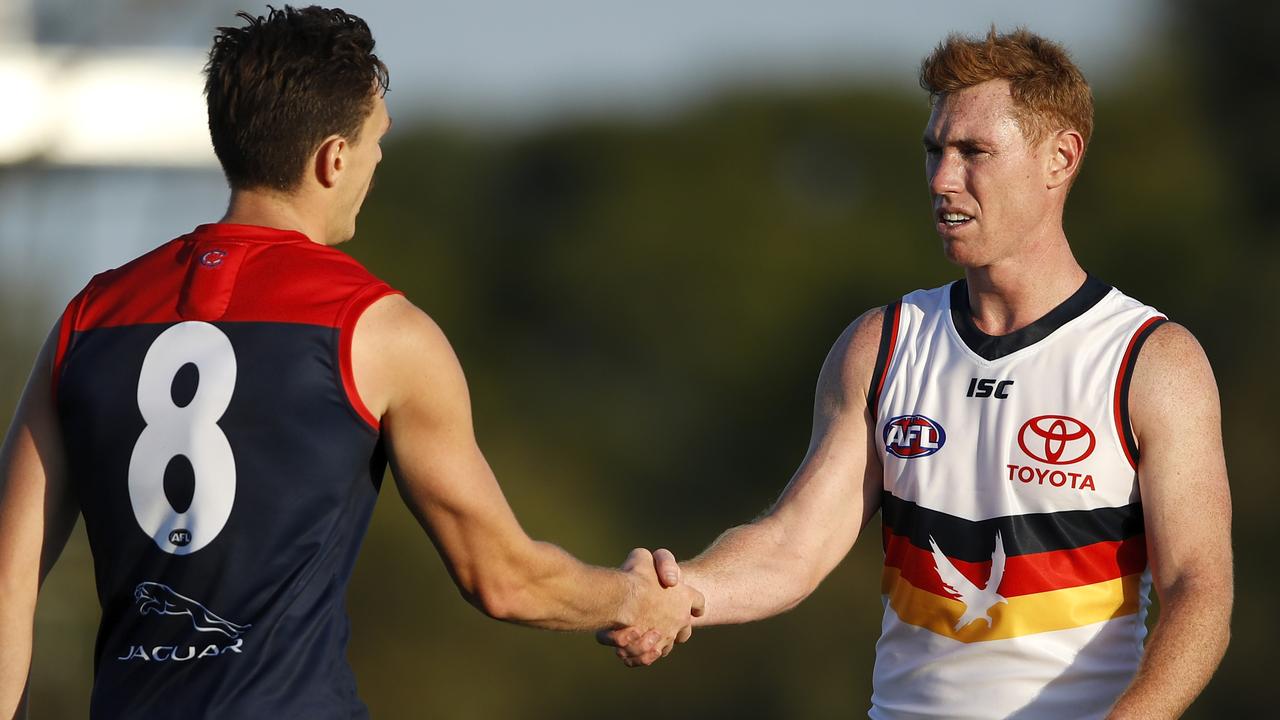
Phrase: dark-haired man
x=1041 y=447
x=221 y=411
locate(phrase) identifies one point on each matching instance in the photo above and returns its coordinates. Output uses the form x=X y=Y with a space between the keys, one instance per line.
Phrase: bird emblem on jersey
x=977 y=601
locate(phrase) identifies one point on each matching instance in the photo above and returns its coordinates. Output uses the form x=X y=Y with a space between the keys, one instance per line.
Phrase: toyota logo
x=1056 y=439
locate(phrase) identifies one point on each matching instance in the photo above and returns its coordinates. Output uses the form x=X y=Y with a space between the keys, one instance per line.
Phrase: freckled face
x=987 y=184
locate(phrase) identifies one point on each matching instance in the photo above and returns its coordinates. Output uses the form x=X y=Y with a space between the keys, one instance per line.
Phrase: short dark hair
x=280 y=84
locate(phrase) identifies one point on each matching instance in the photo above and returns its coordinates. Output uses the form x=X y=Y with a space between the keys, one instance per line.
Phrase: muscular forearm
x=749 y=573
x=15 y=660
x=1184 y=650
x=547 y=587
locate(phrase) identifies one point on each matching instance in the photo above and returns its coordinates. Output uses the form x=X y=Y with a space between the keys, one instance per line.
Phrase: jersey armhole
x=66 y=326
x=1121 y=401
x=347 y=319
x=884 y=357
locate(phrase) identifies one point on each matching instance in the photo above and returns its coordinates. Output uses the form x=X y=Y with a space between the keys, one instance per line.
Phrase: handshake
x=663 y=609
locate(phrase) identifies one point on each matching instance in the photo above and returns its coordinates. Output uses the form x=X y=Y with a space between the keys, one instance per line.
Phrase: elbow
x=802 y=588
x=495 y=602
x=506 y=584
x=497 y=597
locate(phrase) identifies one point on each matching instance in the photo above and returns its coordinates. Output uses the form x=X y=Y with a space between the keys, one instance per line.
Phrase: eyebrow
x=962 y=143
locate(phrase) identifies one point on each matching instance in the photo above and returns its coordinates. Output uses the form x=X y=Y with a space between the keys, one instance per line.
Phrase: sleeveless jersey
x=226 y=470
x=1015 y=574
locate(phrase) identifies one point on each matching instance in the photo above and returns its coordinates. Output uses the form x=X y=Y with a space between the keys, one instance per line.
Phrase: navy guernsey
x=226 y=470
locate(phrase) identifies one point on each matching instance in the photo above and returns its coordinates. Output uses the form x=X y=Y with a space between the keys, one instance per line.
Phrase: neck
x=275 y=210
x=1015 y=292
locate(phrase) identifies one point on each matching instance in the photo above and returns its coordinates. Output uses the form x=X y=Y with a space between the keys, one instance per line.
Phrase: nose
x=945 y=173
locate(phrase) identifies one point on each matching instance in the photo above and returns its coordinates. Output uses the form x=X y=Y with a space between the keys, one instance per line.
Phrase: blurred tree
x=1237 y=72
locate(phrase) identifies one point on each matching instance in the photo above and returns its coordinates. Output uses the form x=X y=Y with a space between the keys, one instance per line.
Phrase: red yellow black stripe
x=1061 y=570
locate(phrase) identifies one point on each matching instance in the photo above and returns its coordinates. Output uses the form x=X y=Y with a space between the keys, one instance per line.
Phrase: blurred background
x=642 y=225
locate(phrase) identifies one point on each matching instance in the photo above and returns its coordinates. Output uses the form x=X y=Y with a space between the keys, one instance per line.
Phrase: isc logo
x=985 y=388
x=913 y=436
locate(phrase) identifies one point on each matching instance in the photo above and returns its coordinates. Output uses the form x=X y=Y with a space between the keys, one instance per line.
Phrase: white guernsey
x=1015 y=575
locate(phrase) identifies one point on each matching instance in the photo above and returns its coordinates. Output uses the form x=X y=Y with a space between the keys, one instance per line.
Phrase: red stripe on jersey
x=1126 y=368
x=888 y=360
x=351 y=315
x=1025 y=574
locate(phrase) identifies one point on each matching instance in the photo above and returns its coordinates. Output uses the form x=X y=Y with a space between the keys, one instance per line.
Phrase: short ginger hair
x=1048 y=90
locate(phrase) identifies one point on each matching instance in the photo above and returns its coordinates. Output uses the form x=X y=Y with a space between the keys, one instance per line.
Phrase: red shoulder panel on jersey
x=1127 y=439
x=66 y=324
x=282 y=277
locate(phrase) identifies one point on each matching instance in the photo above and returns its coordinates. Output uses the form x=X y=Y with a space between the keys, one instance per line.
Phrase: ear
x=1066 y=150
x=330 y=160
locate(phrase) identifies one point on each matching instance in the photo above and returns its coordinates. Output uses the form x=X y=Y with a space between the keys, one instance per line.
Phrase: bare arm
x=407 y=374
x=769 y=565
x=1187 y=507
x=37 y=513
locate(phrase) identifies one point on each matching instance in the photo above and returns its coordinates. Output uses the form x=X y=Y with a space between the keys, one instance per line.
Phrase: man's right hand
x=663 y=609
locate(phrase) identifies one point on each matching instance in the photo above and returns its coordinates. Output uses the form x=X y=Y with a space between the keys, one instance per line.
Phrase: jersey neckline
x=994 y=347
x=250 y=233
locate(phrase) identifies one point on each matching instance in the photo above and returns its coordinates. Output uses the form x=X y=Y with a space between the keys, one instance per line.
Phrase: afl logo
x=213 y=258
x=1056 y=439
x=913 y=436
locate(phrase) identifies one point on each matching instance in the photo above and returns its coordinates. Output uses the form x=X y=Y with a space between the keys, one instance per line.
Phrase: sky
x=513 y=61
x=503 y=63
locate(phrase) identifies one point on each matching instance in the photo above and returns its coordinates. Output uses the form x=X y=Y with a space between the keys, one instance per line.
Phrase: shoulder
x=850 y=365
x=399 y=354
x=1172 y=380
x=1171 y=352
x=395 y=328
x=863 y=335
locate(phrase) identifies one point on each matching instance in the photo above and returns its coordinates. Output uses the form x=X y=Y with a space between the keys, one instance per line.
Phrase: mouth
x=951 y=220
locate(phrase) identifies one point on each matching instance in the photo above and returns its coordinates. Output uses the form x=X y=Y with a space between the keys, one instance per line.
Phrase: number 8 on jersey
x=190 y=430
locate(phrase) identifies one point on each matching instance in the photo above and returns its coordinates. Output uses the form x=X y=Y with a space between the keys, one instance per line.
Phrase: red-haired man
x=1041 y=447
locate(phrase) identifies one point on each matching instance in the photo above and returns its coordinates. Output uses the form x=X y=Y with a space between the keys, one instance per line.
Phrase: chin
x=955 y=253
x=963 y=254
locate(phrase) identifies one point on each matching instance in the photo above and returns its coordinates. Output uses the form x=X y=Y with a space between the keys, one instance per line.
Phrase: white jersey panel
x=1071 y=373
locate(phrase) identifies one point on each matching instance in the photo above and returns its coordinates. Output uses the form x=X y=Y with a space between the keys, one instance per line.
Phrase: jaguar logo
x=154 y=598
